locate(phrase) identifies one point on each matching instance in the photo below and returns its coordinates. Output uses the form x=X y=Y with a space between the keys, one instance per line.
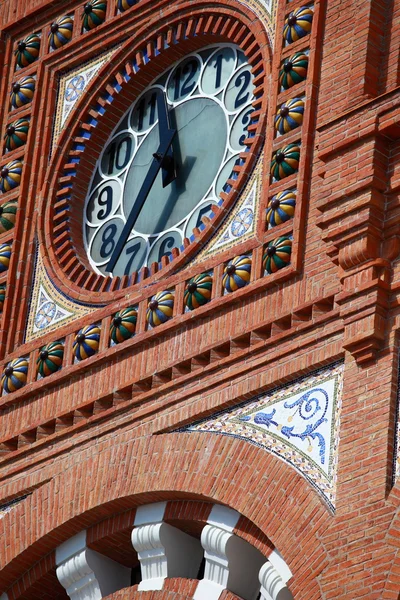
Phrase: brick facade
x=83 y=448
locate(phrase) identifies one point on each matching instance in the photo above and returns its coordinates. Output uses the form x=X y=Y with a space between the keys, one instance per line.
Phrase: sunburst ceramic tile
x=298 y=422
x=71 y=86
x=49 y=308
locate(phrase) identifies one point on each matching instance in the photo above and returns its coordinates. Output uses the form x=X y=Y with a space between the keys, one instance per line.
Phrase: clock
x=168 y=159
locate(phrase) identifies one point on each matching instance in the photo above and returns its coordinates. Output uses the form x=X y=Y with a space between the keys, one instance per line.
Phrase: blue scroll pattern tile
x=298 y=422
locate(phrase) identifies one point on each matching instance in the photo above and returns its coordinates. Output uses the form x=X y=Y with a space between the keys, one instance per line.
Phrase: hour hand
x=168 y=165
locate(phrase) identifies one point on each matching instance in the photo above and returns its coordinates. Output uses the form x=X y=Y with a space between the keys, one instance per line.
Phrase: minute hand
x=155 y=166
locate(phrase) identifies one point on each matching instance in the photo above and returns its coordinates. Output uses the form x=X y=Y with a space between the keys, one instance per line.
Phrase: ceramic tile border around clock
x=48 y=306
x=298 y=422
x=71 y=87
x=245 y=213
x=267 y=11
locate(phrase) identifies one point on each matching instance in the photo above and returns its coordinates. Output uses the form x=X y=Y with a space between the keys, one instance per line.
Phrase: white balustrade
x=163 y=550
x=86 y=574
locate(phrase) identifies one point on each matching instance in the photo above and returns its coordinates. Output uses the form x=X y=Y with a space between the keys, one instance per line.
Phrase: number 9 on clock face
x=208 y=97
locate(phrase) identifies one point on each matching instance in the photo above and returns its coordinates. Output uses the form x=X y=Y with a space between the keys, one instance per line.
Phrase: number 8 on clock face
x=144 y=200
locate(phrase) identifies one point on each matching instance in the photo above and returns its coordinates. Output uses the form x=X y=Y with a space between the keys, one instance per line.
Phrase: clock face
x=167 y=161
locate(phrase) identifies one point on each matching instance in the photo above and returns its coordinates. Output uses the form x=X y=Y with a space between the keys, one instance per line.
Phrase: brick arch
x=59 y=221
x=131 y=472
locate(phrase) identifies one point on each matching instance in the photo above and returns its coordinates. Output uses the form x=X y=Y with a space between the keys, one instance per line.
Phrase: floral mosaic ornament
x=285 y=161
x=8 y=214
x=277 y=254
x=10 y=176
x=281 y=208
x=16 y=134
x=123 y=5
x=298 y=422
x=2 y=296
x=289 y=116
x=86 y=342
x=94 y=13
x=27 y=50
x=60 y=32
x=14 y=375
x=298 y=24
x=50 y=359
x=294 y=70
x=5 y=255
x=160 y=308
x=22 y=91
x=123 y=325
x=237 y=273
x=198 y=291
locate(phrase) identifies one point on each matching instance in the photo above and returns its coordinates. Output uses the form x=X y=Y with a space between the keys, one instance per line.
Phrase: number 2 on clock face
x=209 y=97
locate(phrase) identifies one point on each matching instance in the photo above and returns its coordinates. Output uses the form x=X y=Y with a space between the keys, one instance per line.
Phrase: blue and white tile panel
x=298 y=422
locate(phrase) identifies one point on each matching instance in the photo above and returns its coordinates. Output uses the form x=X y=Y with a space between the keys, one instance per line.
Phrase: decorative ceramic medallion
x=50 y=359
x=289 y=116
x=277 y=254
x=16 y=134
x=10 y=176
x=22 y=91
x=298 y=422
x=123 y=5
x=294 y=70
x=27 y=50
x=5 y=255
x=86 y=342
x=60 y=32
x=8 y=214
x=281 y=208
x=160 y=308
x=14 y=375
x=298 y=24
x=123 y=325
x=49 y=308
x=198 y=291
x=285 y=161
x=71 y=87
x=94 y=14
x=237 y=273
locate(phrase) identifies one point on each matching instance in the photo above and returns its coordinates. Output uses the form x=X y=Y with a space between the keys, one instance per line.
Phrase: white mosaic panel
x=71 y=87
x=242 y=222
x=298 y=422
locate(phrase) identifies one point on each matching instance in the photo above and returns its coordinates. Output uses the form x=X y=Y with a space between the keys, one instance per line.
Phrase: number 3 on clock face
x=208 y=98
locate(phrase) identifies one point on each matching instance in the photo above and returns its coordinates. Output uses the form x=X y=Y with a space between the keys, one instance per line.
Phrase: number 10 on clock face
x=208 y=104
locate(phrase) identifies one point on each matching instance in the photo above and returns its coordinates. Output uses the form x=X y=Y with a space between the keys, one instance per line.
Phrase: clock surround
x=65 y=256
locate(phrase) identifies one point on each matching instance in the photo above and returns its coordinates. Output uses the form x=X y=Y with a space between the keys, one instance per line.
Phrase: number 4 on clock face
x=208 y=100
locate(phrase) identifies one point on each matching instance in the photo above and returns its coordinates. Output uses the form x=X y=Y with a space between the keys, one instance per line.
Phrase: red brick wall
x=94 y=442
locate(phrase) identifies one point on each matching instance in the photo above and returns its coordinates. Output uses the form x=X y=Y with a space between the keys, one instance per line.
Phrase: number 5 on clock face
x=208 y=97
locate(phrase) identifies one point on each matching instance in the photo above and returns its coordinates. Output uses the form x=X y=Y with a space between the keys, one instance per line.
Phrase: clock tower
x=199 y=300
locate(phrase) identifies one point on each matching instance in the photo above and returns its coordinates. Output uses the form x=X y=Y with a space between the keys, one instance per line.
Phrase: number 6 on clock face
x=208 y=96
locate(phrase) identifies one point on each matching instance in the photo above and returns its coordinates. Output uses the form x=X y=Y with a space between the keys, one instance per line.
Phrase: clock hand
x=164 y=125
x=156 y=165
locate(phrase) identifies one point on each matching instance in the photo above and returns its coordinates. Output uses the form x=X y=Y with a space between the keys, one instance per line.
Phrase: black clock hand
x=164 y=126
x=156 y=165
